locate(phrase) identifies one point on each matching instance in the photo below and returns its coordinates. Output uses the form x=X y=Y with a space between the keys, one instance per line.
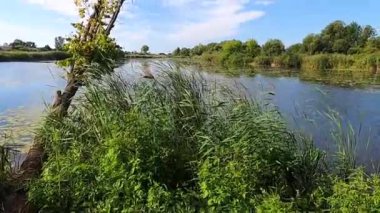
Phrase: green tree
x=213 y=47
x=59 y=42
x=353 y=33
x=198 y=50
x=17 y=44
x=294 y=49
x=185 y=51
x=89 y=45
x=46 y=48
x=367 y=34
x=233 y=46
x=177 y=51
x=145 y=49
x=273 y=47
x=312 y=44
x=333 y=32
x=30 y=44
x=341 y=46
x=253 y=49
x=373 y=45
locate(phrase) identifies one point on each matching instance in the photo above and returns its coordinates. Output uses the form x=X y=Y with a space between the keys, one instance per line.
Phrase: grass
x=6 y=56
x=5 y=170
x=182 y=144
x=173 y=144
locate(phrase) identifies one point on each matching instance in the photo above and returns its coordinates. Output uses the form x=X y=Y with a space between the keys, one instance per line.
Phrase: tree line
x=21 y=45
x=336 y=38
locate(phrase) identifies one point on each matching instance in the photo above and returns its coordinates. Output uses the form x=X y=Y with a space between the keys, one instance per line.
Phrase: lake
x=25 y=88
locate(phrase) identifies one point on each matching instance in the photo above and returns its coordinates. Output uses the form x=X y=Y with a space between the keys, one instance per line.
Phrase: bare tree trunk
x=111 y=24
x=69 y=93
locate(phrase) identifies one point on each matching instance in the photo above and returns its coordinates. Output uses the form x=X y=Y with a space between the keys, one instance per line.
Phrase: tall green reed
x=177 y=142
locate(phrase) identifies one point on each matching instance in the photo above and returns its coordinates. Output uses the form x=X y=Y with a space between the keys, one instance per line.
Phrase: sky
x=164 y=25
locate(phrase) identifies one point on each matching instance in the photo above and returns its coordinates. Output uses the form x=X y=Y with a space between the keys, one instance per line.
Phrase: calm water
x=302 y=103
x=24 y=90
x=28 y=84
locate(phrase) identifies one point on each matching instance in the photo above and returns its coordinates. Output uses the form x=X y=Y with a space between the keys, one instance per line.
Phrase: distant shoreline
x=127 y=56
x=28 y=56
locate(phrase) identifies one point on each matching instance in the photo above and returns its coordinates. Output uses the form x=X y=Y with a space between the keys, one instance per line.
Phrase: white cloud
x=64 y=7
x=191 y=22
x=195 y=22
x=177 y=2
x=221 y=19
x=264 y=2
x=132 y=40
x=68 y=8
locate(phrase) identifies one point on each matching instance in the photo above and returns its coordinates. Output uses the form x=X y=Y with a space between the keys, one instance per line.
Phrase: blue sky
x=166 y=24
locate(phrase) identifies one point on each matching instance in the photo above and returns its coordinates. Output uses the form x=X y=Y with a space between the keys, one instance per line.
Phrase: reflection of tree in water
x=341 y=77
x=147 y=70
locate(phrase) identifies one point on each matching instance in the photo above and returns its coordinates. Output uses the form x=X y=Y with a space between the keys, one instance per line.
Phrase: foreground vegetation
x=4 y=172
x=337 y=47
x=176 y=144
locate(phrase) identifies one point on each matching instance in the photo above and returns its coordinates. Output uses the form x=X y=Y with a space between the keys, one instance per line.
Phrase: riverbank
x=339 y=46
x=32 y=56
x=145 y=56
x=320 y=62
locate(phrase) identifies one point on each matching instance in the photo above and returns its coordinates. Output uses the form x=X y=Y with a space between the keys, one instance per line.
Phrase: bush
x=273 y=203
x=359 y=194
x=263 y=61
x=293 y=61
x=368 y=62
x=236 y=59
x=316 y=62
x=328 y=62
x=211 y=58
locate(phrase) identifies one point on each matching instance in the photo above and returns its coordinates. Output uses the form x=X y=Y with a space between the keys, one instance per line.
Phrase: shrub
x=293 y=60
x=368 y=62
x=358 y=194
x=235 y=59
x=263 y=61
x=211 y=58
x=273 y=203
x=316 y=62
